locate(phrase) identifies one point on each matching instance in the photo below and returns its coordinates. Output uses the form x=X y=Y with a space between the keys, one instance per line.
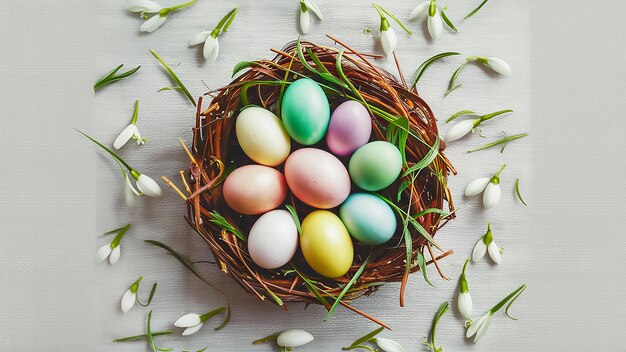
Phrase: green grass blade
x=422 y=68
x=498 y=142
x=519 y=195
x=347 y=287
x=475 y=10
x=174 y=77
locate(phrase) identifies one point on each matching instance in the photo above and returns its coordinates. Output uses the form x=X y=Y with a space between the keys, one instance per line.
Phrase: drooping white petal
x=388 y=345
x=142 y=6
x=305 y=21
x=199 y=38
x=477 y=324
x=128 y=300
x=477 y=186
x=420 y=11
x=148 y=186
x=465 y=305
x=494 y=252
x=188 y=320
x=294 y=338
x=129 y=192
x=459 y=130
x=388 y=40
x=482 y=330
x=435 y=25
x=491 y=196
x=124 y=136
x=115 y=255
x=103 y=252
x=211 y=49
x=192 y=329
x=479 y=250
x=152 y=23
x=499 y=65
x=313 y=8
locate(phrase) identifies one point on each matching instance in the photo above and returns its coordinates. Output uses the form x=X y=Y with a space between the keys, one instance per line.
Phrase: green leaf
x=229 y=313
x=426 y=160
x=475 y=10
x=347 y=287
x=403 y=186
x=455 y=75
x=154 y=287
x=174 y=77
x=112 y=153
x=339 y=65
x=150 y=336
x=519 y=195
x=367 y=337
x=296 y=219
x=422 y=68
x=460 y=113
x=498 y=142
x=443 y=308
x=513 y=301
x=219 y=220
x=170 y=88
x=394 y=18
x=243 y=65
x=447 y=21
x=422 y=264
x=142 y=336
x=108 y=233
x=265 y=339
x=112 y=77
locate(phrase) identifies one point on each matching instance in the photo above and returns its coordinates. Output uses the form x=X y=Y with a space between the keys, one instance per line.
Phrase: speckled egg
x=305 y=111
x=317 y=178
x=254 y=189
x=368 y=218
x=375 y=165
x=326 y=244
x=262 y=136
x=273 y=239
x=350 y=127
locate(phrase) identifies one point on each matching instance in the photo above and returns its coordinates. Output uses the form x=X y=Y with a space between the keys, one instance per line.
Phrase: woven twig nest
x=216 y=152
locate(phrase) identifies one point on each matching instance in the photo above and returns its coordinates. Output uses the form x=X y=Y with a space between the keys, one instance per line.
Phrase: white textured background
x=58 y=192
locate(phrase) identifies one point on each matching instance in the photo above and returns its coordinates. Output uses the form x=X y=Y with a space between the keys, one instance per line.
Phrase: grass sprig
x=519 y=195
x=174 y=77
x=422 y=68
x=498 y=142
x=473 y=12
x=113 y=77
x=443 y=308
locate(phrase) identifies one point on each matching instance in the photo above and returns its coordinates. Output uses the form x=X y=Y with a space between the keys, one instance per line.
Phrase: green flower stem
x=206 y=316
x=135 y=113
x=303 y=7
x=463 y=285
x=135 y=286
x=164 y=12
x=488 y=237
x=496 y=177
x=486 y=117
x=515 y=293
x=224 y=22
x=498 y=142
x=382 y=12
x=142 y=336
x=118 y=238
x=112 y=153
x=432 y=8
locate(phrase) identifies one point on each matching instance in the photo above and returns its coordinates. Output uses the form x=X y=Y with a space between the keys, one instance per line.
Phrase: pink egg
x=317 y=178
x=254 y=189
x=350 y=127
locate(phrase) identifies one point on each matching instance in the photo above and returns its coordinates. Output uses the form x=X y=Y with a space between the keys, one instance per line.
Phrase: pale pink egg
x=317 y=178
x=254 y=189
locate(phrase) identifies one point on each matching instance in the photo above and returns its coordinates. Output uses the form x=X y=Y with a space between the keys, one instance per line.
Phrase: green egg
x=305 y=111
x=375 y=165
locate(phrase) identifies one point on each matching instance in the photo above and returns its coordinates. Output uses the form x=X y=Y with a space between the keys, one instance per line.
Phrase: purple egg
x=350 y=127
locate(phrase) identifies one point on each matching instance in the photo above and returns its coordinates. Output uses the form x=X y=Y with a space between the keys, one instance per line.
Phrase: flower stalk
x=388 y=38
x=479 y=328
x=210 y=38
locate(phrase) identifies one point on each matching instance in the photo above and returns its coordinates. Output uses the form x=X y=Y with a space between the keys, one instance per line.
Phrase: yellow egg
x=326 y=244
x=262 y=136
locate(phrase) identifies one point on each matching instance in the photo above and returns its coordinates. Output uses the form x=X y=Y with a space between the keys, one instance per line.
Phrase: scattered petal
x=211 y=49
x=148 y=186
x=491 y=196
x=192 y=329
x=294 y=338
x=115 y=255
x=388 y=40
x=435 y=25
x=499 y=66
x=199 y=38
x=128 y=300
x=152 y=23
x=313 y=7
x=482 y=330
x=477 y=186
x=103 y=252
x=459 y=130
x=479 y=250
x=188 y=320
x=494 y=252
x=305 y=21
x=420 y=11
x=388 y=345
x=477 y=324
x=465 y=305
x=124 y=136
x=143 y=6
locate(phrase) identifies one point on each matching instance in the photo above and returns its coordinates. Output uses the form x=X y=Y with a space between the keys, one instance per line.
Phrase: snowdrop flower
x=131 y=131
x=388 y=345
x=130 y=296
x=464 y=301
x=496 y=64
x=428 y=9
x=211 y=44
x=111 y=250
x=193 y=322
x=489 y=187
x=388 y=38
x=293 y=338
x=478 y=328
x=146 y=184
x=145 y=7
x=487 y=244
x=464 y=127
x=305 y=16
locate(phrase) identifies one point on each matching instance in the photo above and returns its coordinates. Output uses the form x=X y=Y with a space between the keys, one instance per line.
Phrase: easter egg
x=273 y=239
x=326 y=244
x=375 y=165
x=262 y=136
x=350 y=127
x=368 y=218
x=305 y=111
x=317 y=178
x=254 y=189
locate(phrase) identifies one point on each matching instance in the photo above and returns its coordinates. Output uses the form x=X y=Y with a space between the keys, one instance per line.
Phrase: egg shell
x=368 y=218
x=262 y=136
x=273 y=239
x=317 y=178
x=326 y=244
x=350 y=127
x=305 y=111
x=254 y=189
x=375 y=165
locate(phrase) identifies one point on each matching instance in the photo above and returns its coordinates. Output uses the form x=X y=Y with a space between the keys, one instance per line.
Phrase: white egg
x=273 y=239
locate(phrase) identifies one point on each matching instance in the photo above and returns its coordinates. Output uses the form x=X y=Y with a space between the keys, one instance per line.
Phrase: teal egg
x=305 y=111
x=375 y=165
x=368 y=218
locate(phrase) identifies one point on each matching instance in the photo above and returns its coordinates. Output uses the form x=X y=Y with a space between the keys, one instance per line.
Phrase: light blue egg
x=368 y=218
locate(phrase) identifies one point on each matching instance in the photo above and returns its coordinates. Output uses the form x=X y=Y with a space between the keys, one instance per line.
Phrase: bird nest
x=398 y=114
